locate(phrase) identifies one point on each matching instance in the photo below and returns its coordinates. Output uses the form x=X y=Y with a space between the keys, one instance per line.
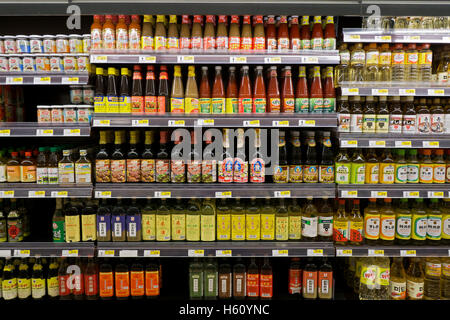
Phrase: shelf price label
x=23 y=253
x=103 y=194
x=140 y=123
x=176 y=123
x=99 y=59
x=430 y=144
x=41 y=80
x=70 y=80
x=349 y=193
x=407 y=253
x=162 y=194
x=224 y=253
x=403 y=144
x=350 y=91
x=7 y=194
x=383 y=38
x=307 y=123
x=238 y=59
x=378 y=194
x=284 y=123
x=70 y=253
x=44 y=132
x=251 y=123
x=14 y=80
x=380 y=92
x=72 y=132
x=205 y=122
x=128 y=253
x=344 y=252
x=5 y=133
x=282 y=194
x=280 y=253
x=272 y=60
x=377 y=143
x=147 y=59
x=223 y=194
x=310 y=59
x=36 y=194
x=436 y=92
x=407 y=92
x=59 y=194
x=411 y=194
x=106 y=253
x=354 y=37
x=411 y=38
x=5 y=253
x=315 y=252
x=196 y=253
x=349 y=143
x=102 y=122
x=152 y=253
x=435 y=194
x=376 y=253
x=185 y=59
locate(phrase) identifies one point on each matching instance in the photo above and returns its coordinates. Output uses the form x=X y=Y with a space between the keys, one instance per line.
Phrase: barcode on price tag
x=102 y=123
x=41 y=80
x=14 y=80
x=152 y=253
x=310 y=60
x=185 y=59
x=70 y=80
x=403 y=144
x=5 y=133
x=383 y=38
x=349 y=143
x=435 y=194
x=407 y=92
x=238 y=59
x=7 y=194
x=378 y=194
x=282 y=194
x=22 y=253
x=350 y=91
x=380 y=92
x=284 y=123
x=196 y=253
x=70 y=253
x=103 y=194
x=307 y=123
x=44 y=132
x=376 y=253
x=272 y=60
x=176 y=123
x=59 y=194
x=251 y=123
x=72 y=132
x=436 y=92
x=349 y=193
x=139 y=123
x=106 y=253
x=344 y=252
x=280 y=253
x=377 y=143
x=315 y=252
x=407 y=253
x=430 y=144
x=128 y=253
x=223 y=194
x=147 y=59
x=223 y=253
x=411 y=194
x=36 y=194
x=162 y=194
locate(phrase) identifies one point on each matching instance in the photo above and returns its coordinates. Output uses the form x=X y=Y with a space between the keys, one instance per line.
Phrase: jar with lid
x=36 y=45
x=86 y=39
x=62 y=43
x=10 y=44
x=44 y=114
x=49 y=43
x=22 y=44
x=75 y=43
x=76 y=94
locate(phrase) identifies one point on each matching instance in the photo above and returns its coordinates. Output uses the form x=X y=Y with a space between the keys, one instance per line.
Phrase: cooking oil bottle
x=411 y=63
x=431 y=290
x=357 y=62
x=445 y=279
x=372 y=61
x=414 y=280
x=398 y=280
x=385 y=70
x=398 y=63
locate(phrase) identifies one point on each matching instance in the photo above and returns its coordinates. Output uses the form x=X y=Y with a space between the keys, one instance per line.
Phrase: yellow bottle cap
x=124 y=71
x=98 y=70
x=112 y=71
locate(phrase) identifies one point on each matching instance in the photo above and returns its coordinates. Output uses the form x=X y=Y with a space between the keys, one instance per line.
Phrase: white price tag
x=223 y=253
x=344 y=252
x=403 y=144
x=59 y=194
x=380 y=92
x=196 y=253
x=383 y=38
x=70 y=253
x=70 y=80
x=99 y=59
x=238 y=59
x=5 y=133
x=313 y=60
x=14 y=80
x=162 y=194
x=375 y=253
x=378 y=194
x=140 y=123
x=306 y=123
x=436 y=92
x=128 y=253
x=41 y=80
x=185 y=59
x=282 y=194
x=103 y=194
x=284 y=123
x=205 y=122
x=44 y=132
x=349 y=143
x=102 y=123
x=223 y=194
x=349 y=193
x=280 y=253
x=315 y=252
x=36 y=194
x=407 y=92
x=147 y=59
x=377 y=143
x=23 y=253
x=5 y=253
x=176 y=123
x=251 y=123
x=7 y=194
x=411 y=38
x=152 y=253
x=350 y=91
x=435 y=194
x=407 y=253
x=352 y=37
x=72 y=132
x=272 y=60
x=411 y=194
x=430 y=144
x=106 y=253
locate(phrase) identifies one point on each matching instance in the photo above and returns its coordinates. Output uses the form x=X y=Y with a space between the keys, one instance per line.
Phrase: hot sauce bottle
x=245 y=93
x=185 y=33
x=329 y=97
x=271 y=34
x=218 y=93
x=222 y=33
x=330 y=35
x=234 y=38
x=232 y=100
x=287 y=92
x=301 y=92
x=273 y=93
x=305 y=33
x=295 y=277
x=316 y=100
x=196 y=35
x=317 y=34
x=259 y=93
x=205 y=92
x=122 y=281
x=209 y=35
x=150 y=99
x=246 y=35
x=259 y=39
x=108 y=34
x=96 y=34
x=121 y=34
x=283 y=34
x=294 y=34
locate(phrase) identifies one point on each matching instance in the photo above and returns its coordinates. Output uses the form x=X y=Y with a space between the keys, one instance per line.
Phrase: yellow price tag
x=251 y=123
x=5 y=133
x=96 y=58
x=36 y=194
x=163 y=194
x=355 y=37
x=103 y=194
x=70 y=253
x=379 y=194
x=403 y=144
x=383 y=38
x=431 y=144
x=408 y=253
x=223 y=194
x=272 y=60
x=147 y=59
x=280 y=253
x=185 y=59
x=436 y=92
x=44 y=132
x=18 y=80
x=206 y=122
x=284 y=123
x=282 y=194
x=24 y=252
x=72 y=132
x=435 y=194
x=140 y=123
x=8 y=194
x=152 y=253
x=196 y=253
x=41 y=80
x=380 y=92
x=307 y=123
x=238 y=59
x=376 y=253
x=223 y=253
x=344 y=252
x=108 y=253
x=102 y=123
x=176 y=123
x=411 y=194
x=349 y=193
x=315 y=252
x=407 y=92
x=59 y=194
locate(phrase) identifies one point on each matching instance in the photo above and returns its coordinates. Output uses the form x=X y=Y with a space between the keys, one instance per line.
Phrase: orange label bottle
x=245 y=93
x=273 y=92
x=106 y=284
x=137 y=283
x=259 y=93
x=151 y=283
x=122 y=283
x=287 y=92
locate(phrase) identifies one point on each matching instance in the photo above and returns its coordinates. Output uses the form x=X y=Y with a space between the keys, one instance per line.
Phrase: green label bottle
x=357 y=173
x=58 y=231
x=343 y=173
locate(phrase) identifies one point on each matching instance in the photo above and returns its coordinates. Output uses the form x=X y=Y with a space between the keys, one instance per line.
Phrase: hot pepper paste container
x=15 y=64
x=28 y=64
x=2 y=45
x=42 y=63
x=4 y=63
x=22 y=44
x=36 y=44
x=75 y=43
x=10 y=44
x=62 y=43
x=44 y=114
x=56 y=64
x=49 y=43
x=57 y=114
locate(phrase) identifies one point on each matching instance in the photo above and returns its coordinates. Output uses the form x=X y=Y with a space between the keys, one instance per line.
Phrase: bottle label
x=409 y=123
x=259 y=105
x=194 y=171
x=385 y=58
x=329 y=44
x=125 y=104
x=177 y=171
x=109 y=41
x=222 y=43
x=106 y=284
x=240 y=170
x=403 y=229
x=398 y=290
x=382 y=123
x=317 y=43
x=122 y=284
x=344 y=122
x=368 y=275
x=259 y=43
x=289 y=105
x=395 y=123
x=205 y=105
x=121 y=39
x=209 y=171
x=412 y=58
x=148 y=227
x=281 y=228
x=103 y=225
x=433 y=269
x=237 y=227
x=316 y=105
x=301 y=105
x=163 y=227
x=232 y=105
x=447 y=177
x=296 y=173
x=413 y=173
x=306 y=44
x=423 y=123
x=372 y=170
x=160 y=43
x=38 y=288
x=147 y=170
x=96 y=39
x=151 y=104
x=193 y=227
x=434 y=227
x=118 y=170
x=387 y=231
x=419 y=224
x=369 y=123
x=53 y=287
x=280 y=174
x=426 y=173
x=172 y=43
x=329 y=105
x=223 y=226
x=218 y=105
x=133 y=226
x=446 y=226
x=310 y=282
x=309 y=227
x=253 y=226
x=235 y=43
x=340 y=233
x=310 y=174
x=177 y=105
x=439 y=173
x=401 y=173
x=209 y=43
x=253 y=285
x=137 y=283
x=147 y=42
x=88 y=227
x=356 y=122
x=425 y=58
x=295 y=227
x=225 y=170
x=283 y=43
x=437 y=123
x=266 y=286
x=358 y=57
x=151 y=283
x=343 y=173
x=161 y=104
x=28 y=173
x=118 y=226
x=383 y=277
x=326 y=174
x=58 y=231
x=162 y=170
x=295 y=281
x=246 y=43
x=178 y=226
x=325 y=226
x=245 y=105
x=23 y=288
x=137 y=104
x=41 y=175
x=398 y=58
x=414 y=289
x=387 y=173
x=356 y=231
x=267 y=226
x=371 y=226
x=358 y=173
x=257 y=170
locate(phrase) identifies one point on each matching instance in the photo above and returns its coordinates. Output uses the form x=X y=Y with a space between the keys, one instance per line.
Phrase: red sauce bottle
x=283 y=34
x=271 y=34
x=317 y=34
x=330 y=35
x=305 y=33
x=316 y=100
x=287 y=92
x=245 y=93
x=329 y=101
x=259 y=93
x=295 y=34
x=273 y=92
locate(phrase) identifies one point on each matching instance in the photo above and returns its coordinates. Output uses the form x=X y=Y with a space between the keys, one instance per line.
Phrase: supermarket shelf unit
x=393 y=140
x=19 y=78
x=216 y=249
x=392 y=251
x=34 y=129
x=196 y=57
x=47 y=249
x=416 y=190
x=214 y=190
x=280 y=120
x=396 y=36
x=378 y=89
x=34 y=190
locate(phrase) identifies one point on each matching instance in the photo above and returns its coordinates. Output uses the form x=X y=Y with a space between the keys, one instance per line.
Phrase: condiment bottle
x=191 y=95
x=330 y=35
x=341 y=225
x=52 y=166
x=197 y=34
x=329 y=97
x=41 y=167
x=317 y=34
x=439 y=167
x=210 y=276
x=222 y=33
x=257 y=164
x=218 y=93
x=295 y=276
x=426 y=167
x=234 y=37
x=124 y=99
x=356 y=114
x=283 y=34
x=177 y=96
x=301 y=92
x=163 y=91
x=209 y=35
x=245 y=92
x=246 y=35
x=162 y=163
x=423 y=121
x=369 y=117
x=232 y=100
x=134 y=33
x=137 y=98
x=147 y=39
x=177 y=164
x=239 y=281
x=108 y=34
x=305 y=33
x=96 y=33
x=172 y=34
x=240 y=165
x=160 y=34
x=150 y=99
x=259 y=39
x=205 y=92
x=66 y=171
x=437 y=117
x=294 y=34
x=273 y=93
x=343 y=111
x=253 y=280
x=411 y=63
x=287 y=92
x=266 y=287
x=310 y=280
x=225 y=281
x=28 y=169
x=271 y=34
x=112 y=102
x=259 y=93
x=316 y=93
x=121 y=34
x=325 y=281
x=83 y=169
x=209 y=165
x=398 y=63
x=185 y=33
x=387 y=168
x=99 y=93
